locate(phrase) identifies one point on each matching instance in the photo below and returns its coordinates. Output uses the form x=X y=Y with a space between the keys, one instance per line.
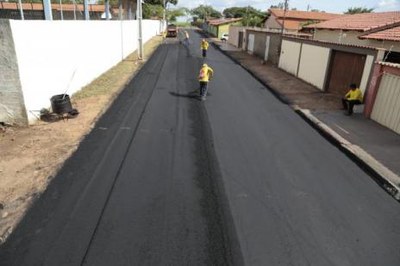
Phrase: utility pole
x=86 y=9
x=164 y=22
x=283 y=26
x=139 y=12
x=21 y=10
x=48 y=15
x=61 y=10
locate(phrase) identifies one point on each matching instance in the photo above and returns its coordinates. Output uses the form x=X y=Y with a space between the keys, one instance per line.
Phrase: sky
x=332 y=6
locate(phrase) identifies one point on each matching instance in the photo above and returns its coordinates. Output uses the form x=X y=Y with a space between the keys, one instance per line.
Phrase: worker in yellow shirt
x=205 y=75
x=352 y=97
x=204 y=46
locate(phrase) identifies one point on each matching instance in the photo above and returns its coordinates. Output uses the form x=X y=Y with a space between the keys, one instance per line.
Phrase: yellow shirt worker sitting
x=352 y=97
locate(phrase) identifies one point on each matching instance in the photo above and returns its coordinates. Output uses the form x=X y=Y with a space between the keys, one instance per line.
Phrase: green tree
x=161 y=2
x=204 y=11
x=251 y=16
x=358 y=10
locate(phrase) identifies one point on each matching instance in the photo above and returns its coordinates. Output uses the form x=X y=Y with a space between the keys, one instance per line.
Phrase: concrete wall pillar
x=12 y=107
x=371 y=92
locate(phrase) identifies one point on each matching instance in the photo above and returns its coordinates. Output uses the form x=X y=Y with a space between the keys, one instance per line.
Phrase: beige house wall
x=290 y=54
x=271 y=23
x=234 y=35
x=314 y=64
x=351 y=37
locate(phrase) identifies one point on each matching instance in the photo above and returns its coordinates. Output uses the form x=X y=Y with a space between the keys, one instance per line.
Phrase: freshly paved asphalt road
x=165 y=179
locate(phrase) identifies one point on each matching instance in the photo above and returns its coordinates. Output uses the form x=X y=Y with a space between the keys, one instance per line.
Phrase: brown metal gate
x=345 y=68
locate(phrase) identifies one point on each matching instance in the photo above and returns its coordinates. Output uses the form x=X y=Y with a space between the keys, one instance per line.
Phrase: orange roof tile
x=360 y=22
x=392 y=34
x=303 y=15
x=291 y=24
x=221 y=21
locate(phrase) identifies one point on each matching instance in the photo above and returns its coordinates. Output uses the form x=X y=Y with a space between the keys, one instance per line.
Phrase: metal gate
x=346 y=68
x=386 y=109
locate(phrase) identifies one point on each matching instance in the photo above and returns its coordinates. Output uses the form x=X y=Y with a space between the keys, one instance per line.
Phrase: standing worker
x=204 y=47
x=205 y=75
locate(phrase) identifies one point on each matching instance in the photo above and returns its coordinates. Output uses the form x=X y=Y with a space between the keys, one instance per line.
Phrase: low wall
x=54 y=57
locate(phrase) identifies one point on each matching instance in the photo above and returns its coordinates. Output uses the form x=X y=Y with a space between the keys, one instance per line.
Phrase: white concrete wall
x=55 y=56
x=369 y=63
x=314 y=64
x=289 y=59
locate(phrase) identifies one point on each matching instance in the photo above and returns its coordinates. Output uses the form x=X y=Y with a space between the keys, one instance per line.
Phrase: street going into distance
x=238 y=179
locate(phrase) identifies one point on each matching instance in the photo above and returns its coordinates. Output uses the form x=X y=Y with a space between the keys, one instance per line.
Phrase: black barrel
x=61 y=104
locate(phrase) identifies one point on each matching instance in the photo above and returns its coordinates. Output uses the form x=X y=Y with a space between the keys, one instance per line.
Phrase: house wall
x=260 y=42
x=223 y=29
x=234 y=35
x=312 y=70
x=12 y=108
x=351 y=37
x=67 y=55
x=290 y=55
x=271 y=23
x=386 y=109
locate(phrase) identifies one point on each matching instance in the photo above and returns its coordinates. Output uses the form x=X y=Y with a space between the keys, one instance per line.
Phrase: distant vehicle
x=225 y=37
x=171 y=30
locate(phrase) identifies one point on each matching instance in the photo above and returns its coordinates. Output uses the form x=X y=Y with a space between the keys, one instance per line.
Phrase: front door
x=346 y=68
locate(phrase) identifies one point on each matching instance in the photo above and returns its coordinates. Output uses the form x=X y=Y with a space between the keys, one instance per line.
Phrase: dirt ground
x=31 y=156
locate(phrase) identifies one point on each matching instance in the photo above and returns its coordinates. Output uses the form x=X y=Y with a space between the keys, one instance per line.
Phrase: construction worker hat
x=205 y=65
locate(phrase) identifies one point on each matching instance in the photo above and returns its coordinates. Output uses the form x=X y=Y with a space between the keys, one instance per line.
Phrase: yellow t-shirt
x=206 y=73
x=204 y=45
x=354 y=95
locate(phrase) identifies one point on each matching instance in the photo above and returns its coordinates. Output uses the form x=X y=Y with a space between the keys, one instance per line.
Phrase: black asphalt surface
x=240 y=179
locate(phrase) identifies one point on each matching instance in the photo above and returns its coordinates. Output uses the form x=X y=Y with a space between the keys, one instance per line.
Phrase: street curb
x=383 y=176
x=380 y=173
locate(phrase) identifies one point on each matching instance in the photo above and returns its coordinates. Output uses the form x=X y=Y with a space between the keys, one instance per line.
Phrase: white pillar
x=48 y=15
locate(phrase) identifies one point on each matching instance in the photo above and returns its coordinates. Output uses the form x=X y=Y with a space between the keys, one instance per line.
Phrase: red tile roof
x=303 y=15
x=221 y=21
x=392 y=34
x=291 y=24
x=360 y=22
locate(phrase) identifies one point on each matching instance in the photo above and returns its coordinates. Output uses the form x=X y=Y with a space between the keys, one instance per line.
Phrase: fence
x=45 y=58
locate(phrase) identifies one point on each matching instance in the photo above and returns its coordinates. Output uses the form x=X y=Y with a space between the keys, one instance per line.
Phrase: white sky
x=333 y=6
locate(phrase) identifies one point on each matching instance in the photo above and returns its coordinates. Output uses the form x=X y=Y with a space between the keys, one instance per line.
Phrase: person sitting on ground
x=352 y=97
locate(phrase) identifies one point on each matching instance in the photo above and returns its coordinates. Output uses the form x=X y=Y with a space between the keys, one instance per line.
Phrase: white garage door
x=386 y=109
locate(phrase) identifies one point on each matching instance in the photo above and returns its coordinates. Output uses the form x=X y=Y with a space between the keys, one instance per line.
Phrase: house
x=378 y=30
x=217 y=27
x=294 y=20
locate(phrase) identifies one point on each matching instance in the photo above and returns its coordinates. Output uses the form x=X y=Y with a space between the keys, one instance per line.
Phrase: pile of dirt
x=31 y=156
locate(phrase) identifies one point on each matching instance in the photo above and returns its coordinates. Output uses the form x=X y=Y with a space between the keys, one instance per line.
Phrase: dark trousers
x=203 y=88
x=204 y=52
x=348 y=105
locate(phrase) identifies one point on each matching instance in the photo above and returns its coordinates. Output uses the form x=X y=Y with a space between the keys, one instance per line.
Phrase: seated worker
x=352 y=97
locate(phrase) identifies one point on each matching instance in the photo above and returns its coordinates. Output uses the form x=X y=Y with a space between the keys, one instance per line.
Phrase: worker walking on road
x=204 y=46
x=205 y=75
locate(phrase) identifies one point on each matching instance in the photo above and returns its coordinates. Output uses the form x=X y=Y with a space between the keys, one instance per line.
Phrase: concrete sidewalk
x=375 y=148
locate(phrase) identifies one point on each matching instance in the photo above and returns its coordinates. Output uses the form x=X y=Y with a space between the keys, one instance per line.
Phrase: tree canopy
x=358 y=10
x=204 y=11
x=251 y=16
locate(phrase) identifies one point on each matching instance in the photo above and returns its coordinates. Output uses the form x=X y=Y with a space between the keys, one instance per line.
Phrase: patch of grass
x=114 y=79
